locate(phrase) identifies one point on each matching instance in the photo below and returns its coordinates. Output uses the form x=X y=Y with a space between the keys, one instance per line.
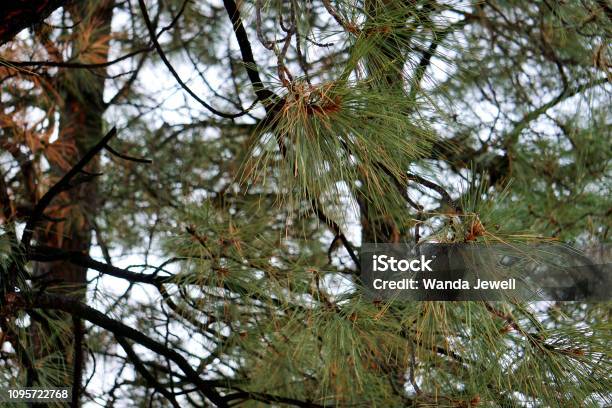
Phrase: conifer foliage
x=185 y=187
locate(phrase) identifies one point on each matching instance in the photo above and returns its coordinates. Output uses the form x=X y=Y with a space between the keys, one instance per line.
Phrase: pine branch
x=47 y=254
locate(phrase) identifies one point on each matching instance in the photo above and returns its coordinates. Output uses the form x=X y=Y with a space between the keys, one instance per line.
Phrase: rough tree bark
x=81 y=126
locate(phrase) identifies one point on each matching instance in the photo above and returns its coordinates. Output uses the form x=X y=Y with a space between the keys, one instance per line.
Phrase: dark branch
x=270 y=399
x=60 y=186
x=82 y=311
x=48 y=254
x=151 y=380
x=78 y=65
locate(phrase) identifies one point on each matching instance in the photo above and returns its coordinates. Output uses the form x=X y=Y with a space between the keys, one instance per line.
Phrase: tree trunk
x=81 y=126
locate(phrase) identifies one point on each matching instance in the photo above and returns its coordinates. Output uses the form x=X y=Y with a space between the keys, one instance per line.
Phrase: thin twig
x=437 y=188
x=126 y=157
x=337 y=231
x=350 y=27
x=260 y=35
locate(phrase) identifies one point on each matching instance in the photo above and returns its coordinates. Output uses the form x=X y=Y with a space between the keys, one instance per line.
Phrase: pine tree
x=218 y=168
